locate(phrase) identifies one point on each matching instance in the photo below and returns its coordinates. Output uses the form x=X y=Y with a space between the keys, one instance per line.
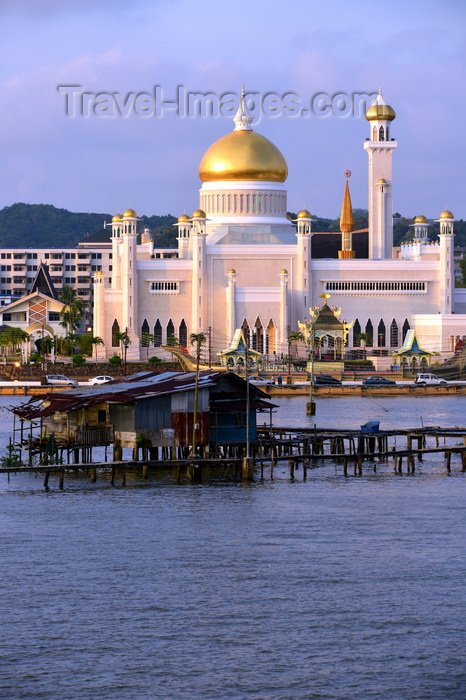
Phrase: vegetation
x=73 y=311
x=78 y=360
x=115 y=360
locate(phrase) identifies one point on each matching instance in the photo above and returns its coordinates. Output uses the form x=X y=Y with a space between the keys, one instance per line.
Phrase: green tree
x=73 y=309
x=95 y=341
x=296 y=337
x=146 y=340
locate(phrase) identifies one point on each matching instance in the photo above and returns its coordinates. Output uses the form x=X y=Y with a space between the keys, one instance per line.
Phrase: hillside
x=45 y=226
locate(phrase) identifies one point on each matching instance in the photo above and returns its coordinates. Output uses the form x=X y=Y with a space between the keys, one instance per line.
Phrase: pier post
x=61 y=479
x=93 y=474
x=46 y=480
x=194 y=473
x=448 y=456
x=291 y=463
x=145 y=471
x=247 y=469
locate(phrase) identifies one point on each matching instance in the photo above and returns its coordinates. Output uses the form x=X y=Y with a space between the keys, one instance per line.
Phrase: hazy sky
x=414 y=49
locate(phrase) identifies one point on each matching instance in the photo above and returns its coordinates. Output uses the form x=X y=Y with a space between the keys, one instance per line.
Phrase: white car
x=427 y=378
x=259 y=381
x=102 y=379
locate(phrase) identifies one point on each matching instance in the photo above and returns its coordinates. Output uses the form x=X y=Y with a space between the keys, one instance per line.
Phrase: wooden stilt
x=61 y=479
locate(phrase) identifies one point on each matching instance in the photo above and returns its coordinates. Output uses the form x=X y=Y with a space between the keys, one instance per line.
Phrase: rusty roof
x=136 y=387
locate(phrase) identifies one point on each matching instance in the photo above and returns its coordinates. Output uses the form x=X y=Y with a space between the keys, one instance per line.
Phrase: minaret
x=303 y=261
x=199 y=291
x=184 y=227
x=420 y=226
x=446 y=276
x=380 y=147
x=346 y=225
x=242 y=118
x=129 y=282
x=117 y=231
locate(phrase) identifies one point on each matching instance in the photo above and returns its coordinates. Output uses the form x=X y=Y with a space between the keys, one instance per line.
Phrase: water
x=331 y=588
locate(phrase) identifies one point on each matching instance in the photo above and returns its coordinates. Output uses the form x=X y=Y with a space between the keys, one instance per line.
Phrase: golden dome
x=304 y=214
x=116 y=218
x=420 y=220
x=446 y=214
x=284 y=272
x=232 y=272
x=183 y=218
x=130 y=214
x=381 y=112
x=382 y=181
x=198 y=214
x=243 y=155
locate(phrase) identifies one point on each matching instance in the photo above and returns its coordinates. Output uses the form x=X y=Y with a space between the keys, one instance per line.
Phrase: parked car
x=326 y=380
x=424 y=378
x=101 y=379
x=59 y=380
x=259 y=381
x=377 y=380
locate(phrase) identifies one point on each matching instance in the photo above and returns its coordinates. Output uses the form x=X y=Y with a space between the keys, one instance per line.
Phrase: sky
x=114 y=144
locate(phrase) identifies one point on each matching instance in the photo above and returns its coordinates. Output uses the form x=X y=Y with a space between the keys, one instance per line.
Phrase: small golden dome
x=183 y=218
x=232 y=272
x=130 y=214
x=198 y=214
x=116 y=218
x=382 y=181
x=420 y=220
x=284 y=272
x=446 y=214
x=243 y=155
x=304 y=214
x=380 y=112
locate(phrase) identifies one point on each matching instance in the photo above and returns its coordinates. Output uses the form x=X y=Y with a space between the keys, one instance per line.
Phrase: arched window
x=394 y=334
x=145 y=332
x=381 y=134
x=381 y=334
x=170 y=330
x=405 y=328
x=157 y=334
x=115 y=334
x=386 y=132
x=374 y=133
x=356 y=332
x=370 y=333
x=183 y=334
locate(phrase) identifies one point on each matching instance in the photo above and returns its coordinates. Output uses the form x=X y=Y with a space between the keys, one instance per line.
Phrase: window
x=394 y=334
x=164 y=287
x=115 y=334
x=157 y=334
x=183 y=333
x=145 y=332
x=54 y=316
x=406 y=328
x=381 y=334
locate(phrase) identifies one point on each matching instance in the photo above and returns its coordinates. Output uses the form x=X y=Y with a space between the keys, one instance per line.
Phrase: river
x=331 y=588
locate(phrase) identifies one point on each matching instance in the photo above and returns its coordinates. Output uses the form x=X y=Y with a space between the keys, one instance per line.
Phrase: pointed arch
x=115 y=334
x=271 y=338
x=145 y=331
x=356 y=332
x=406 y=328
x=246 y=332
x=157 y=334
x=381 y=334
x=170 y=329
x=183 y=333
x=370 y=332
x=394 y=334
x=374 y=133
x=381 y=134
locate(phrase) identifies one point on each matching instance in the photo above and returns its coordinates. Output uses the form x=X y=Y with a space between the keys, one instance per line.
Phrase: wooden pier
x=298 y=450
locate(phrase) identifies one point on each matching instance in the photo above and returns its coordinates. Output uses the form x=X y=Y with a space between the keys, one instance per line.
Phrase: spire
x=346 y=217
x=242 y=118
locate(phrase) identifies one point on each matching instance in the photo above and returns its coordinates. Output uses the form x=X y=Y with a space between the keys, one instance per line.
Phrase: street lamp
x=125 y=345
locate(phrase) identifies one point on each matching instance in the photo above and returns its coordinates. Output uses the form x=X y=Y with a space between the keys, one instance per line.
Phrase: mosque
x=241 y=263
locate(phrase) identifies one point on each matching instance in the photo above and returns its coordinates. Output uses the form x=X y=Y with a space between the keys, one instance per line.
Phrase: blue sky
x=415 y=50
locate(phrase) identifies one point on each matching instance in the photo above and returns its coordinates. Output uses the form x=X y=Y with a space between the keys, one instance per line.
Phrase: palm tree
x=95 y=341
x=146 y=340
x=73 y=309
x=197 y=339
x=296 y=337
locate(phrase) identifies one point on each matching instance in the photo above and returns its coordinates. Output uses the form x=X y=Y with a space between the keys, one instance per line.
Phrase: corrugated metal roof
x=130 y=389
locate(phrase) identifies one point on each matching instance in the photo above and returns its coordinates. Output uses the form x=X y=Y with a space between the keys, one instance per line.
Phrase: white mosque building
x=242 y=264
